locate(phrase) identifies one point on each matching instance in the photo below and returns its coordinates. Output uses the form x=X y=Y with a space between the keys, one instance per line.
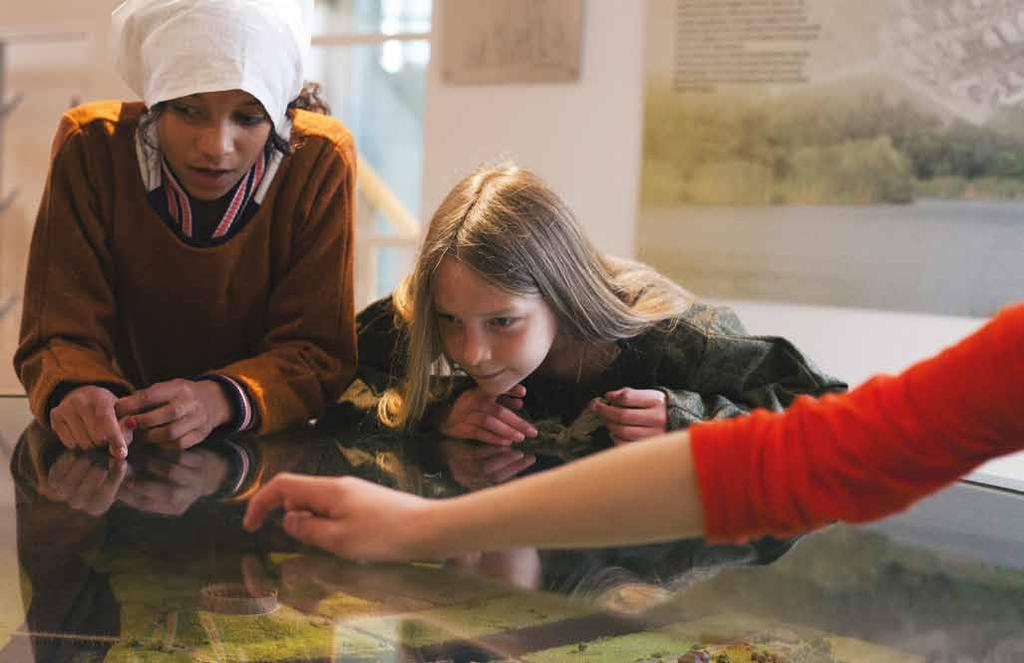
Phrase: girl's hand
x=476 y=415
x=632 y=414
x=86 y=417
x=475 y=466
x=347 y=516
x=177 y=413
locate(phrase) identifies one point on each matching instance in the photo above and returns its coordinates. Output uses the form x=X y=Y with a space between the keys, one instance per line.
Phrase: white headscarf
x=166 y=49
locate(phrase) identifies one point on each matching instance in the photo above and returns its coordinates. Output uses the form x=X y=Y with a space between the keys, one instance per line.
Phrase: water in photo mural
x=865 y=154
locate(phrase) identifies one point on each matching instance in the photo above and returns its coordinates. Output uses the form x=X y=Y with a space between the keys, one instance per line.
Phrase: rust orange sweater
x=868 y=453
x=113 y=296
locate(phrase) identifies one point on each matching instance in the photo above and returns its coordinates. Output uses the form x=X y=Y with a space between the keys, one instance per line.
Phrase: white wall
x=582 y=138
x=56 y=54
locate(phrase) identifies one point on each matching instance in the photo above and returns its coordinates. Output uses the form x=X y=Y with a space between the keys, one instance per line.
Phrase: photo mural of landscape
x=864 y=154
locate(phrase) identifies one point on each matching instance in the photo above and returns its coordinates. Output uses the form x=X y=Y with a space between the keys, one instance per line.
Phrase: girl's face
x=497 y=337
x=212 y=139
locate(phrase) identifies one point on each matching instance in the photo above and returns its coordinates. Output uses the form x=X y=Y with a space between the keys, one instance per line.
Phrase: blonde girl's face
x=497 y=337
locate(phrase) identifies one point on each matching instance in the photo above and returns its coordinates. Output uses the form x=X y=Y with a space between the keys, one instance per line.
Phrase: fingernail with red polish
x=130 y=423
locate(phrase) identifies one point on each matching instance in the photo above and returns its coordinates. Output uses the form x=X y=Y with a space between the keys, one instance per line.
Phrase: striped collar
x=155 y=173
x=179 y=203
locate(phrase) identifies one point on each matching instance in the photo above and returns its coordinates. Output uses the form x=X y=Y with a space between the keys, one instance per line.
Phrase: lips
x=211 y=176
x=486 y=376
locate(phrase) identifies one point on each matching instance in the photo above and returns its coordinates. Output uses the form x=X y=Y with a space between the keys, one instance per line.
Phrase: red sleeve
x=871 y=452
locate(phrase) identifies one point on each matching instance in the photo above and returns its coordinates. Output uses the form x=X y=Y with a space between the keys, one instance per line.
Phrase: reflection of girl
x=851 y=457
x=508 y=290
x=198 y=248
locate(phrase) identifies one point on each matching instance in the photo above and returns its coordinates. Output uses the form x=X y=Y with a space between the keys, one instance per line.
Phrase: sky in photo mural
x=866 y=154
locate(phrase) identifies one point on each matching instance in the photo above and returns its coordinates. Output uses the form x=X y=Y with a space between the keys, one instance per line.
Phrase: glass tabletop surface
x=151 y=564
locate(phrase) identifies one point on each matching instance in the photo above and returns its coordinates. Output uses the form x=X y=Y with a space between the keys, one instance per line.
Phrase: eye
x=249 y=119
x=185 y=110
x=503 y=322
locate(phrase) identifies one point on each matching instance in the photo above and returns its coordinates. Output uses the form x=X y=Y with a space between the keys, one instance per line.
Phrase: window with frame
x=371 y=57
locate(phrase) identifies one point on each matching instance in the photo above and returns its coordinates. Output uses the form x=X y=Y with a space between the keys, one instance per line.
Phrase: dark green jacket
x=704 y=361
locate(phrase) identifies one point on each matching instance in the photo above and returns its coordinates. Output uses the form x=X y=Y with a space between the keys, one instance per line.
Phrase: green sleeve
x=736 y=372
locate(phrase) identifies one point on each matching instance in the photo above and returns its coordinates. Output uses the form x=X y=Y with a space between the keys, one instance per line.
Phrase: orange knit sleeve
x=307 y=356
x=69 y=317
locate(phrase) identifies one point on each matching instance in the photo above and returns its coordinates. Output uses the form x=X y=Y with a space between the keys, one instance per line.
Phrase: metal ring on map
x=234 y=599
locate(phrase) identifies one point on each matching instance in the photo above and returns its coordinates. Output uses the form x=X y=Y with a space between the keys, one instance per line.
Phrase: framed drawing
x=511 y=41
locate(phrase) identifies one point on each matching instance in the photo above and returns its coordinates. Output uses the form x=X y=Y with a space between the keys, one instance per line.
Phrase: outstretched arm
x=591 y=502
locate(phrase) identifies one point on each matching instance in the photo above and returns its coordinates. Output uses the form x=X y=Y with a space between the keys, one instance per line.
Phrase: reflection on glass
x=108 y=579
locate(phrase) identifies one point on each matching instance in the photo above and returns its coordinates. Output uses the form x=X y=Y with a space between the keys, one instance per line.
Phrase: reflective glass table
x=151 y=564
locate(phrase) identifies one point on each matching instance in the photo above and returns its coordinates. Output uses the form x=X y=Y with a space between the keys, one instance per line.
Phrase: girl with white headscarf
x=191 y=264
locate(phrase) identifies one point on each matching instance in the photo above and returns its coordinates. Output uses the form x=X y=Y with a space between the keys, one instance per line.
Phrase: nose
x=474 y=349
x=216 y=139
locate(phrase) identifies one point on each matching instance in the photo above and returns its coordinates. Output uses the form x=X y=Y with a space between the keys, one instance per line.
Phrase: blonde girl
x=564 y=348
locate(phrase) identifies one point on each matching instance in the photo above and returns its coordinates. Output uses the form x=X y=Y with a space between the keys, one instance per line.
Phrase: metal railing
x=363 y=38
x=377 y=198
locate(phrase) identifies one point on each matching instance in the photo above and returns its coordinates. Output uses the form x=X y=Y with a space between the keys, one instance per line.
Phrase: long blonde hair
x=509 y=227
